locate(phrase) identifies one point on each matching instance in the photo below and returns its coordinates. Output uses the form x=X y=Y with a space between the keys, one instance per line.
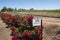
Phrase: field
x=39 y=13
x=51 y=27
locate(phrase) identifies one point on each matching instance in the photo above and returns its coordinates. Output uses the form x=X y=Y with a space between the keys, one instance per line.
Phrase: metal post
x=41 y=29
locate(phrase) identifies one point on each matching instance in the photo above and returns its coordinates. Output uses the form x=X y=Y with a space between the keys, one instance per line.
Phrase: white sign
x=36 y=22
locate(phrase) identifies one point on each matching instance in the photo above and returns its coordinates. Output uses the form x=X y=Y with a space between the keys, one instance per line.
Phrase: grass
x=44 y=13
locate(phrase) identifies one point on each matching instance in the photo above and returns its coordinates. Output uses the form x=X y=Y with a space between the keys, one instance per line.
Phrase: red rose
x=30 y=18
x=12 y=17
x=27 y=34
x=13 y=29
x=15 y=37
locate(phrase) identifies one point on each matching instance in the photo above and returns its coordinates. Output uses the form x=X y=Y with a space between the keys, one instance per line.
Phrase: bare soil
x=4 y=32
x=51 y=27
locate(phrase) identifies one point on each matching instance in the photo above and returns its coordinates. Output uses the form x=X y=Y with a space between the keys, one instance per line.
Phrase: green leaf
x=17 y=29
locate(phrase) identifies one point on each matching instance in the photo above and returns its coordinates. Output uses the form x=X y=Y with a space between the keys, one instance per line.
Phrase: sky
x=27 y=4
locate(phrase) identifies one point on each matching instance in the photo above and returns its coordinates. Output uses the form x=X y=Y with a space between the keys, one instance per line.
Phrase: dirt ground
x=51 y=27
x=4 y=32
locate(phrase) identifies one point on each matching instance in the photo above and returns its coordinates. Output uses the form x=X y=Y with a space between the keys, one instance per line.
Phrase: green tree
x=21 y=9
x=3 y=9
x=10 y=9
x=15 y=9
x=31 y=9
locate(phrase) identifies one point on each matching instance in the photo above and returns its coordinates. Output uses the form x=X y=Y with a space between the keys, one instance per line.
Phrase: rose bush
x=21 y=27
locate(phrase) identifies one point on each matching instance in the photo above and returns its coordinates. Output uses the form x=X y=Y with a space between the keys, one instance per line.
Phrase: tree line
x=32 y=9
x=15 y=9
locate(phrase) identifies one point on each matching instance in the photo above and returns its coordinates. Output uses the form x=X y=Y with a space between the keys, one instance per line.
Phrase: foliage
x=28 y=10
x=21 y=27
x=4 y=9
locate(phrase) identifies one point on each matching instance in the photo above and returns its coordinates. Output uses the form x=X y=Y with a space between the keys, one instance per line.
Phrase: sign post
x=41 y=30
x=38 y=22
